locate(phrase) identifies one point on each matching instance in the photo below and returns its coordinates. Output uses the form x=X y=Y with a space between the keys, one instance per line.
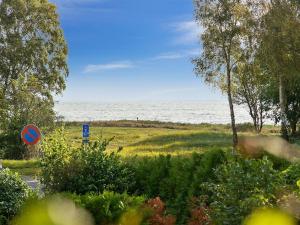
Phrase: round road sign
x=31 y=135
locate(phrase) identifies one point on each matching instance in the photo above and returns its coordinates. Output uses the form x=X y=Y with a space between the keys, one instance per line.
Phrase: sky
x=131 y=50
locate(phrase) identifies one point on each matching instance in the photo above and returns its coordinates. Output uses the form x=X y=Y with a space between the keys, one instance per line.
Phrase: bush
x=11 y=146
x=174 y=179
x=279 y=164
x=82 y=170
x=199 y=216
x=107 y=208
x=242 y=185
x=52 y=210
x=292 y=174
x=158 y=209
x=13 y=193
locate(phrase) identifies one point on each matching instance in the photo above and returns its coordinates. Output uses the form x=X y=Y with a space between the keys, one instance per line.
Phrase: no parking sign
x=31 y=134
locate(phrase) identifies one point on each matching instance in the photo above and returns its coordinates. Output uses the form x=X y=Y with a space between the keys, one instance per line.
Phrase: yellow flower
x=269 y=217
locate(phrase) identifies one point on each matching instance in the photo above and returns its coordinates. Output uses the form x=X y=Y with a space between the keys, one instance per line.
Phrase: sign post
x=31 y=136
x=85 y=133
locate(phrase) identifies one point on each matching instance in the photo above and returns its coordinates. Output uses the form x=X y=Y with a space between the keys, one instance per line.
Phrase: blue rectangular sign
x=85 y=130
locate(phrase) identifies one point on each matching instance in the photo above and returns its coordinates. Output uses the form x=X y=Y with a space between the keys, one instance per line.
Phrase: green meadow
x=146 y=138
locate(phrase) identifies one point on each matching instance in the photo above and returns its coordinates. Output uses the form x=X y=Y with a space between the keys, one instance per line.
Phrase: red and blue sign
x=31 y=135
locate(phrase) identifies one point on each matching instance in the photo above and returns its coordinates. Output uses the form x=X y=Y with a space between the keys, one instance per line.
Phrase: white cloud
x=74 y=2
x=126 y=64
x=109 y=66
x=169 y=55
x=178 y=55
x=188 y=32
x=79 y=5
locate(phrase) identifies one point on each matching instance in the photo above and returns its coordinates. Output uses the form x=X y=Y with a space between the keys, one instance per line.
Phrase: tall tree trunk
x=293 y=128
x=283 y=104
x=233 y=126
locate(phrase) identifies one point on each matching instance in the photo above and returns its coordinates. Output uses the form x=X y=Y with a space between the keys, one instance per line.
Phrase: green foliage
x=81 y=170
x=271 y=93
x=279 y=164
x=204 y=169
x=32 y=68
x=279 y=51
x=292 y=174
x=29 y=104
x=52 y=210
x=11 y=146
x=107 y=208
x=174 y=179
x=223 y=24
x=242 y=185
x=33 y=44
x=13 y=193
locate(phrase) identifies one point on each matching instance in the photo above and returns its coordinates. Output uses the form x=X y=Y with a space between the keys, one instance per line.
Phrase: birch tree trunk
x=283 y=105
x=232 y=115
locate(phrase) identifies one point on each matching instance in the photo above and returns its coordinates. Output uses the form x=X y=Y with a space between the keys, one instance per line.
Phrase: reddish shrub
x=199 y=216
x=199 y=212
x=158 y=217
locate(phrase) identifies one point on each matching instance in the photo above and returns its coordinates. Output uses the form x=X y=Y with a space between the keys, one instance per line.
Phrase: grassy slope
x=146 y=138
x=23 y=167
x=149 y=139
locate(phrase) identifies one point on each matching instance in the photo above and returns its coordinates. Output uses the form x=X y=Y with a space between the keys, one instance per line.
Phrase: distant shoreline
x=152 y=124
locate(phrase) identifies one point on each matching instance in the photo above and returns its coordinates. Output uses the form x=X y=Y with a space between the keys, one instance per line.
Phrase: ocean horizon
x=194 y=112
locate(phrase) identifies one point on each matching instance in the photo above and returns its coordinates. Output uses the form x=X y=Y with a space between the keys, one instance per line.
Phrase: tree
x=33 y=63
x=31 y=44
x=293 y=102
x=250 y=83
x=293 y=109
x=250 y=77
x=29 y=104
x=280 y=49
x=222 y=21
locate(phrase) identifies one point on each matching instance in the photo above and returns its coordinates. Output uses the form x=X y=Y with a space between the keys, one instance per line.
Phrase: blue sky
x=131 y=50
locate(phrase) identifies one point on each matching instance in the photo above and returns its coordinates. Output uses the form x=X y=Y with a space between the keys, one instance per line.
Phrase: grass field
x=23 y=167
x=153 y=138
x=145 y=138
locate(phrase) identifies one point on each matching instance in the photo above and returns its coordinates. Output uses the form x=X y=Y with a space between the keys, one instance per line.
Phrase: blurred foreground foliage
x=108 y=208
x=215 y=187
x=13 y=193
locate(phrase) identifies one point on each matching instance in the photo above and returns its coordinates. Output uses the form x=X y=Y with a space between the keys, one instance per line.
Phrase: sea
x=193 y=112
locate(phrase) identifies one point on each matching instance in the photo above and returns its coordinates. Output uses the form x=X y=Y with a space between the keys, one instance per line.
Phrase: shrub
x=245 y=127
x=175 y=179
x=242 y=185
x=82 y=170
x=292 y=174
x=199 y=213
x=11 y=146
x=107 y=208
x=13 y=193
x=52 y=210
x=278 y=163
x=199 y=216
x=203 y=170
x=159 y=217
